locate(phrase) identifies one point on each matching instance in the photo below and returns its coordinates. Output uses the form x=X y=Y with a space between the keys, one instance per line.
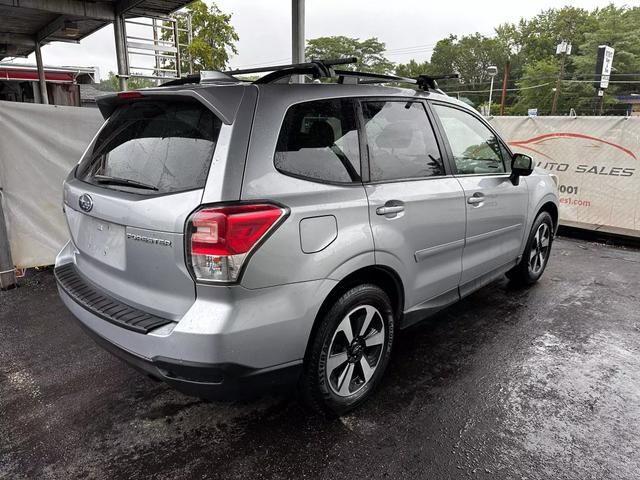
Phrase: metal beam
x=17 y=39
x=123 y=6
x=51 y=28
x=75 y=8
x=44 y=96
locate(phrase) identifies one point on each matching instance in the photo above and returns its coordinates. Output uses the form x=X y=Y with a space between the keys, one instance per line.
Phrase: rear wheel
x=350 y=351
x=536 y=253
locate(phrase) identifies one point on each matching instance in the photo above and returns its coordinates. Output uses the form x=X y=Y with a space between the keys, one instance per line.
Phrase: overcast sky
x=409 y=28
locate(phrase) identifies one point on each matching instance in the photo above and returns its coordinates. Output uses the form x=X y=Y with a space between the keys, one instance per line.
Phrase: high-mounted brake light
x=129 y=95
x=220 y=238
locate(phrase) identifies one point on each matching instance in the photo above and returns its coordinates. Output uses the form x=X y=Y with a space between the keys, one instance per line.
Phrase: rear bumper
x=232 y=341
x=213 y=382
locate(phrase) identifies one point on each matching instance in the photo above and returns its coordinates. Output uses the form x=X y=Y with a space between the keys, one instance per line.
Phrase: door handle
x=390 y=210
x=475 y=199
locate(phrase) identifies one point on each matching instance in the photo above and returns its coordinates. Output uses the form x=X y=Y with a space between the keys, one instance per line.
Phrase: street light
x=492 y=71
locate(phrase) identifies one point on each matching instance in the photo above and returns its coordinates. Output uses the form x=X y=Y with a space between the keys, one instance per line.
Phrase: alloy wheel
x=539 y=248
x=355 y=350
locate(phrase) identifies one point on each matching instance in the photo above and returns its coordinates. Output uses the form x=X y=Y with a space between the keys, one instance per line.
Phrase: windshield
x=150 y=147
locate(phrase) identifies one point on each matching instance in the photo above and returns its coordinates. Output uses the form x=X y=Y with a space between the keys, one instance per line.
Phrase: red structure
x=19 y=83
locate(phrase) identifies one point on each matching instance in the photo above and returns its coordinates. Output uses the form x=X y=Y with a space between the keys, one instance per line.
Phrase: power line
x=508 y=89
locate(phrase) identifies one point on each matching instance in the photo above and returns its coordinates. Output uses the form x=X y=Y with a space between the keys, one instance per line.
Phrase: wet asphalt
x=539 y=383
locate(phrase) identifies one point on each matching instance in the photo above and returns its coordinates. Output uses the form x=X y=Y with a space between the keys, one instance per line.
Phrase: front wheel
x=350 y=351
x=537 y=252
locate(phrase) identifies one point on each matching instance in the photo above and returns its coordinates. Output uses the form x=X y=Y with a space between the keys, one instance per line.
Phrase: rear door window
x=152 y=147
x=401 y=142
x=319 y=141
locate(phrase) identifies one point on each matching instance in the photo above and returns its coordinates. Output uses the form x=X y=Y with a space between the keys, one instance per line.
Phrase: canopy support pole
x=297 y=33
x=44 y=97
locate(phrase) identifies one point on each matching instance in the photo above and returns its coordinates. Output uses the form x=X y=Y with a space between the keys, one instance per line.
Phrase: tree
x=469 y=56
x=618 y=28
x=536 y=87
x=537 y=38
x=213 y=38
x=413 y=69
x=369 y=52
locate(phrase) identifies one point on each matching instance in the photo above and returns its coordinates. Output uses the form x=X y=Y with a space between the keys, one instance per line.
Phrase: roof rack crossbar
x=318 y=68
x=371 y=78
x=430 y=82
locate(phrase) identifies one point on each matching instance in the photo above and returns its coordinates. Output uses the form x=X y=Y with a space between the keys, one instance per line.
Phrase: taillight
x=220 y=238
x=129 y=95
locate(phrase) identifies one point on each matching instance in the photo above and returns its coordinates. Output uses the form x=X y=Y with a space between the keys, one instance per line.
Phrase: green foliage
x=469 y=56
x=532 y=95
x=618 y=28
x=536 y=39
x=413 y=69
x=529 y=47
x=111 y=83
x=213 y=40
x=370 y=52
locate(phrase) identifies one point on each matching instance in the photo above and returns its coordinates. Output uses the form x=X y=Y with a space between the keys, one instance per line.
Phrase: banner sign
x=597 y=160
x=604 y=63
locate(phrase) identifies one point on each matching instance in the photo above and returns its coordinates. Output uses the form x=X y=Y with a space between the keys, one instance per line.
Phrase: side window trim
x=365 y=174
x=450 y=158
x=443 y=143
x=364 y=145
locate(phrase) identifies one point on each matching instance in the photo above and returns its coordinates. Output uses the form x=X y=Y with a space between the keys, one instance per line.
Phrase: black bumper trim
x=102 y=305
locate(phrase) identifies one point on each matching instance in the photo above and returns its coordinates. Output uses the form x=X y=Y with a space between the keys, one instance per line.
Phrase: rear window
x=319 y=141
x=152 y=147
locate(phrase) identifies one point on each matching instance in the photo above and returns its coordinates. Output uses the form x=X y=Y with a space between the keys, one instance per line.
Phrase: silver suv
x=229 y=236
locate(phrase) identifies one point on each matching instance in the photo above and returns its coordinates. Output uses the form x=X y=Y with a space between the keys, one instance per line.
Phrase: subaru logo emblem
x=86 y=202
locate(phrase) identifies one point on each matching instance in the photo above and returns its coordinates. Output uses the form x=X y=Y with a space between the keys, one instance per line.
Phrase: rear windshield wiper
x=125 y=182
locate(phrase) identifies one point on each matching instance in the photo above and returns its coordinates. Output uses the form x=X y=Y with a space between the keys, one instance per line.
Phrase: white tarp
x=597 y=160
x=39 y=145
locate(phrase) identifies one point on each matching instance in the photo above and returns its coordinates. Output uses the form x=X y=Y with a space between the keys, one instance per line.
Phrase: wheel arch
x=384 y=277
x=552 y=209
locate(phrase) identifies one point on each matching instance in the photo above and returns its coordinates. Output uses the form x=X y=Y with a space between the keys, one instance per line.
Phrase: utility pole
x=563 y=48
x=505 y=79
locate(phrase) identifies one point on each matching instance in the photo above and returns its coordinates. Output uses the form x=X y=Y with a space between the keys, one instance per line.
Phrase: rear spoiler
x=223 y=102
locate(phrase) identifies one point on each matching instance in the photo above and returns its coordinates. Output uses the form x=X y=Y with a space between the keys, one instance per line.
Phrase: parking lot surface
x=539 y=383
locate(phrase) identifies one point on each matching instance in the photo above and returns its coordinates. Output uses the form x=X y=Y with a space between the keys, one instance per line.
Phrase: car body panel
x=424 y=243
x=495 y=226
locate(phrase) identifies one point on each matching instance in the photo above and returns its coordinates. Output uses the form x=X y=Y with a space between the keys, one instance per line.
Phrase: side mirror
x=521 y=166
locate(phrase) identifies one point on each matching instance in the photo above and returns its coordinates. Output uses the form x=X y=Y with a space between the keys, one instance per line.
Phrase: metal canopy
x=27 y=22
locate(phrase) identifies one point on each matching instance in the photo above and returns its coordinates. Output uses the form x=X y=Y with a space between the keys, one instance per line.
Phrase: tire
x=536 y=253
x=334 y=380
